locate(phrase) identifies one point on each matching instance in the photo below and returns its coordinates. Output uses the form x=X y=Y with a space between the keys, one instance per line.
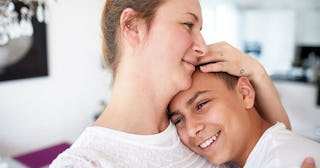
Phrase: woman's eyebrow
x=195 y=96
x=194 y=16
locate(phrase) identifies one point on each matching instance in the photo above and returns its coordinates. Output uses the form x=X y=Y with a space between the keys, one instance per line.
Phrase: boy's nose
x=194 y=128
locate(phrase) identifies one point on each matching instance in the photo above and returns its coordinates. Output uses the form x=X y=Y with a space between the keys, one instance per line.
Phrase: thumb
x=308 y=163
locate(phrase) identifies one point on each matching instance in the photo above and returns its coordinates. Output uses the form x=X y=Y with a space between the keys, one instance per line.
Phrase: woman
x=153 y=47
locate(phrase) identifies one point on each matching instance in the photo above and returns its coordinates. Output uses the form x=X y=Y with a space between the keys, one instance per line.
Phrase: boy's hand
x=308 y=163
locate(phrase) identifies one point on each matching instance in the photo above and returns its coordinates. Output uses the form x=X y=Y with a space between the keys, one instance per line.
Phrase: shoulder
x=283 y=148
x=85 y=158
x=284 y=139
x=88 y=151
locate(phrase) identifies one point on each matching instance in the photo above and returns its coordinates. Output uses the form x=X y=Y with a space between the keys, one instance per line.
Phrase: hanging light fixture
x=16 y=16
x=17 y=21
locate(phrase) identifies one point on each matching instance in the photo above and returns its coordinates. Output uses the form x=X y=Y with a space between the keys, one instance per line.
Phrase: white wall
x=221 y=22
x=38 y=112
x=277 y=25
x=275 y=31
x=308 y=26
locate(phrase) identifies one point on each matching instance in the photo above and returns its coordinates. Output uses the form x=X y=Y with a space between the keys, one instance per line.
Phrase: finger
x=224 y=67
x=218 y=45
x=308 y=163
x=217 y=67
x=212 y=67
x=211 y=57
x=217 y=52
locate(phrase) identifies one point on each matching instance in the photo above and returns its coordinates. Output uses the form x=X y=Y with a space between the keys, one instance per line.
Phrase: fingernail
x=309 y=160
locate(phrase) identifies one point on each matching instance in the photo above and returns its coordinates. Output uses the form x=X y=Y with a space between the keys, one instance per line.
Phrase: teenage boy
x=216 y=118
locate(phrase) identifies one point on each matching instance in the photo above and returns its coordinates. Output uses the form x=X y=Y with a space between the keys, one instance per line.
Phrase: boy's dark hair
x=230 y=80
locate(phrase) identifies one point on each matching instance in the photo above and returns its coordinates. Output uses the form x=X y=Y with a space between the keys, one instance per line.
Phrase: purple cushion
x=42 y=157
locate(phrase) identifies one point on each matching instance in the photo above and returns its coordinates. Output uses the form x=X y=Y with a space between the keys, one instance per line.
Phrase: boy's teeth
x=210 y=140
x=206 y=143
x=214 y=137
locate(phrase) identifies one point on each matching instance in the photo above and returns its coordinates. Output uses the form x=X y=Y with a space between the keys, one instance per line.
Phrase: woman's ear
x=129 y=26
x=247 y=91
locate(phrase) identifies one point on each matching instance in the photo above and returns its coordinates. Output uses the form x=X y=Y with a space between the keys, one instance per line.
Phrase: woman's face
x=174 y=42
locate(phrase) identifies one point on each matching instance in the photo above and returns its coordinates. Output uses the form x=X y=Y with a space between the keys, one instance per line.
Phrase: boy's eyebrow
x=170 y=114
x=188 y=103
x=195 y=96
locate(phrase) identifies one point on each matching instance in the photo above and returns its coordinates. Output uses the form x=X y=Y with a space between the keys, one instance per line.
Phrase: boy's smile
x=210 y=141
x=212 y=117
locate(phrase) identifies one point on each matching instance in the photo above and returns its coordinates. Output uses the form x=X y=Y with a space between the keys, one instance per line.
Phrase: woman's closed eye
x=189 y=25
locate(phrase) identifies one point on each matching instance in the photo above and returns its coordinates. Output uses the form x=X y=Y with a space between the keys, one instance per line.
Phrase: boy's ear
x=129 y=26
x=247 y=91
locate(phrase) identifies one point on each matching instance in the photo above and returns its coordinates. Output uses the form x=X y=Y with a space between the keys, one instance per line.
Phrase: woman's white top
x=279 y=148
x=104 y=147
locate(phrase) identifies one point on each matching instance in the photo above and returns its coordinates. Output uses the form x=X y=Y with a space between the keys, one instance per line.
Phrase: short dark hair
x=230 y=80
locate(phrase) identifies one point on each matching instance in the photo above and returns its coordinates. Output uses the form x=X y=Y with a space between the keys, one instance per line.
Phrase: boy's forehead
x=206 y=81
x=199 y=77
x=200 y=81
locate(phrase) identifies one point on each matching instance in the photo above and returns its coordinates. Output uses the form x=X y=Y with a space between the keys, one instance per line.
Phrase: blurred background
x=53 y=83
x=45 y=108
x=284 y=35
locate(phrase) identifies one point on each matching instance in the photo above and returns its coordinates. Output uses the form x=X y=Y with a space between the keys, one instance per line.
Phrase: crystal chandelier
x=16 y=16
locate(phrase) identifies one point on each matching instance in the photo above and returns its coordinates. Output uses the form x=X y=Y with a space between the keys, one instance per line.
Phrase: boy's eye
x=200 y=105
x=177 y=120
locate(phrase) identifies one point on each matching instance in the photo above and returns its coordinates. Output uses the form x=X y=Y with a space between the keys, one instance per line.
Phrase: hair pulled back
x=110 y=24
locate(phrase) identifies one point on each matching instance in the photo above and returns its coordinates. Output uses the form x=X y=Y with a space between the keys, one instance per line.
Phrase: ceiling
x=300 y=5
x=293 y=4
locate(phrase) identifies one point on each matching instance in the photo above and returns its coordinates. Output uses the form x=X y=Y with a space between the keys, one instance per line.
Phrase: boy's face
x=209 y=118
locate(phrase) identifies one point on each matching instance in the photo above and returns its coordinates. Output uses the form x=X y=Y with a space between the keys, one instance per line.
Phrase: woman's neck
x=137 y=105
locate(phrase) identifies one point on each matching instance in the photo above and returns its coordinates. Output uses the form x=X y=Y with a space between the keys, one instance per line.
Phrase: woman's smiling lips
x=190 y=63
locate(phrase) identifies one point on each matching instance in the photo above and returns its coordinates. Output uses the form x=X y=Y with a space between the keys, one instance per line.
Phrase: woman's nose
x=200 y=47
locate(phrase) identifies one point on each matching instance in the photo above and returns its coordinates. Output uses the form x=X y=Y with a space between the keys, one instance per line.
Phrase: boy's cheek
x=184 y=138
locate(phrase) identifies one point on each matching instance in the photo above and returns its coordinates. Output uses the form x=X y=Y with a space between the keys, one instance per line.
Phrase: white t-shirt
x=279 y=148
x=103 y=147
